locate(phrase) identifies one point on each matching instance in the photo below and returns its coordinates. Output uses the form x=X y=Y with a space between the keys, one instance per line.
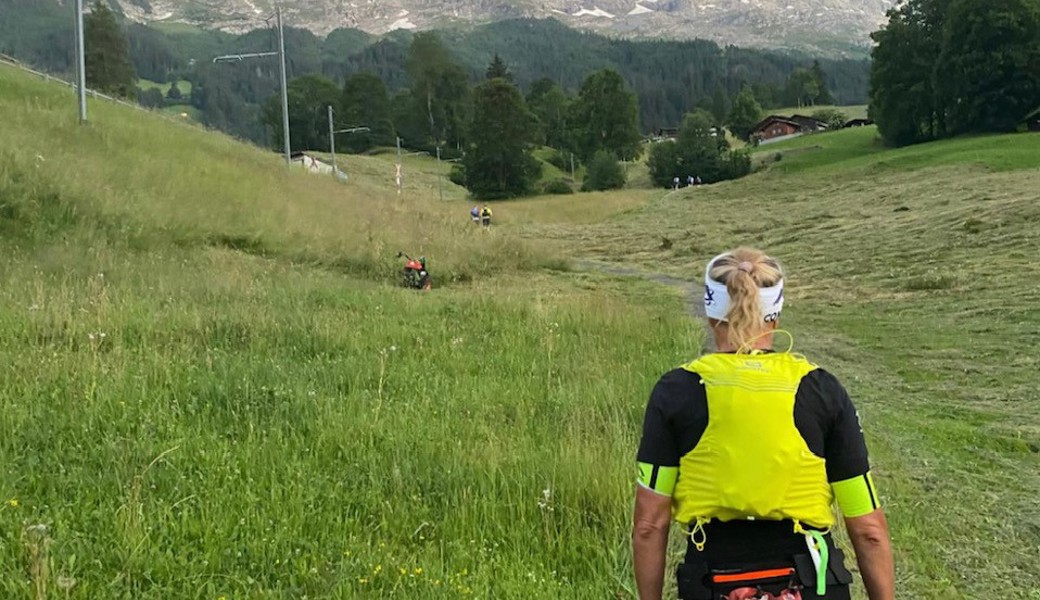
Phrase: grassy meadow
x=912 y=277
x=215 y=388
x=182 y=84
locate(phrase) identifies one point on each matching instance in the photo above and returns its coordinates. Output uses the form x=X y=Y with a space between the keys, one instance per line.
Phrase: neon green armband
x=657 y=478
x=856 y=496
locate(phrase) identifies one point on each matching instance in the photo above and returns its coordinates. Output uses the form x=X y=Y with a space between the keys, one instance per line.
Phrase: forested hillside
x=669 y=78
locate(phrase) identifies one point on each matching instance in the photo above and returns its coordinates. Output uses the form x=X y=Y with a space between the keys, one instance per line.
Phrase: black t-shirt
x=824 y=415
x=677 y=416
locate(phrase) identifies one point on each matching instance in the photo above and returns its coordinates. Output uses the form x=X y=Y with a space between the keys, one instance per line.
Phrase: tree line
x=669 y=78
x=949 y=67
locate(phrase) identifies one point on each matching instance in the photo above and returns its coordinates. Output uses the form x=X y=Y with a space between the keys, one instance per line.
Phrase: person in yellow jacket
x=746 y=448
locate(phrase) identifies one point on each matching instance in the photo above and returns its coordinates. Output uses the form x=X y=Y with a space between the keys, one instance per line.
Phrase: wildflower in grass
x=66 y=583
x=13 y=502
x=403 y=571
x=545 y=504
x=362 y=580
x=417 y=571
x=376 y=570
x=40 y=530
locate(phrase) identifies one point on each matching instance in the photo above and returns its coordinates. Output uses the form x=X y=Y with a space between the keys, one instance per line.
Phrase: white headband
x=716 y=297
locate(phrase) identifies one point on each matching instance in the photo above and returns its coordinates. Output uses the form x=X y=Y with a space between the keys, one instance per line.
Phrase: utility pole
x=332 y=142
x=332 y=139
x=285 y=91
x=400 y=174
x=81 y=61
x=440 y=175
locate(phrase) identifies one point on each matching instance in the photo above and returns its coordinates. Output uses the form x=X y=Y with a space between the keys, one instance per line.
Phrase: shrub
x=558 y=186
x=835 y=119
x=458 y=174
x=604 y=173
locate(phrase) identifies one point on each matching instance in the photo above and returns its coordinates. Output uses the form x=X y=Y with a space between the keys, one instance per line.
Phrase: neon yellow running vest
x=751 y=462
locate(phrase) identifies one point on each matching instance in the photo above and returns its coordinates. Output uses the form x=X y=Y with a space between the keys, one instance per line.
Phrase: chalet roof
x=804 y=120
x=775 y=119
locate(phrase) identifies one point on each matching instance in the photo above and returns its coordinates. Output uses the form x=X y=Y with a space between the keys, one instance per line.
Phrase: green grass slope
x=857 y=150
x=214 y=389
x=913 y=278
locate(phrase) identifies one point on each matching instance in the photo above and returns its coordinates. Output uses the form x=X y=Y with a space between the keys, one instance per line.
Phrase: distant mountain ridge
x=828 y=26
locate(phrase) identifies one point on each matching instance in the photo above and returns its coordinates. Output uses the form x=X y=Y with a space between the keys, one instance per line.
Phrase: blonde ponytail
x=744 y=271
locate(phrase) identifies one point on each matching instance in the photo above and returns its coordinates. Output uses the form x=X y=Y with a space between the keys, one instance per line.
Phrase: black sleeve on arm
x=844 y=447
x=658 y=445
x=675 y=418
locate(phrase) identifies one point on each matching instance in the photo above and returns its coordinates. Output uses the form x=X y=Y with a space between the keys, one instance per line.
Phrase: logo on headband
x=709 y=296
x=779 y=297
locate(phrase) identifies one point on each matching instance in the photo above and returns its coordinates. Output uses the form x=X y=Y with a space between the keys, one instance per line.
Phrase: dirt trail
x=690 y=289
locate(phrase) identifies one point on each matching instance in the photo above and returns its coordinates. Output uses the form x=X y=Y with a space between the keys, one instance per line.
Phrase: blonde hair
x=744 y=271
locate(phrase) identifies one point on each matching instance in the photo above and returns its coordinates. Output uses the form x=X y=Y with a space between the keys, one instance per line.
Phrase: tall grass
x=130 y=172
x=213 y=390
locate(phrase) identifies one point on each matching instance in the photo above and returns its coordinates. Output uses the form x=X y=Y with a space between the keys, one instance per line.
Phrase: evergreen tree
x=409 y=118
x=107 y=53
x=441 y=90
x=539 y=88
x=365 y=103
x=604 y=173
x=309 y=99
x=551 y=106
x=745 y=115
x=823 y=96
x=802 y=88
x=720 y=105
x=605 y=117
x=498 y=163
x=174 y=93
x=498 y=68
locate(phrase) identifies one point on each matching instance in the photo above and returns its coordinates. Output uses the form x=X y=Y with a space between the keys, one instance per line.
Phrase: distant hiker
x=474 y=214
x=699 y=180
x=689 y=180
x=485 y=216
x=675 y=182
x=752 y=487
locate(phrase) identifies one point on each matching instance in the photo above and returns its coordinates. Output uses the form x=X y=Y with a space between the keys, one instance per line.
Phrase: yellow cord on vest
x=697 y=535
x=746 y=348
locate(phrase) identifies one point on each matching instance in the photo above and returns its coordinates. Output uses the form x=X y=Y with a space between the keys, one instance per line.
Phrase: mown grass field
x=215 y=389
x=183 y=85
x=914 y=279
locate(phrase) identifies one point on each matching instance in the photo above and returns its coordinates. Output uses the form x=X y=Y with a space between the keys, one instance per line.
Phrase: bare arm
x=650 y=522
x=869 y=535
